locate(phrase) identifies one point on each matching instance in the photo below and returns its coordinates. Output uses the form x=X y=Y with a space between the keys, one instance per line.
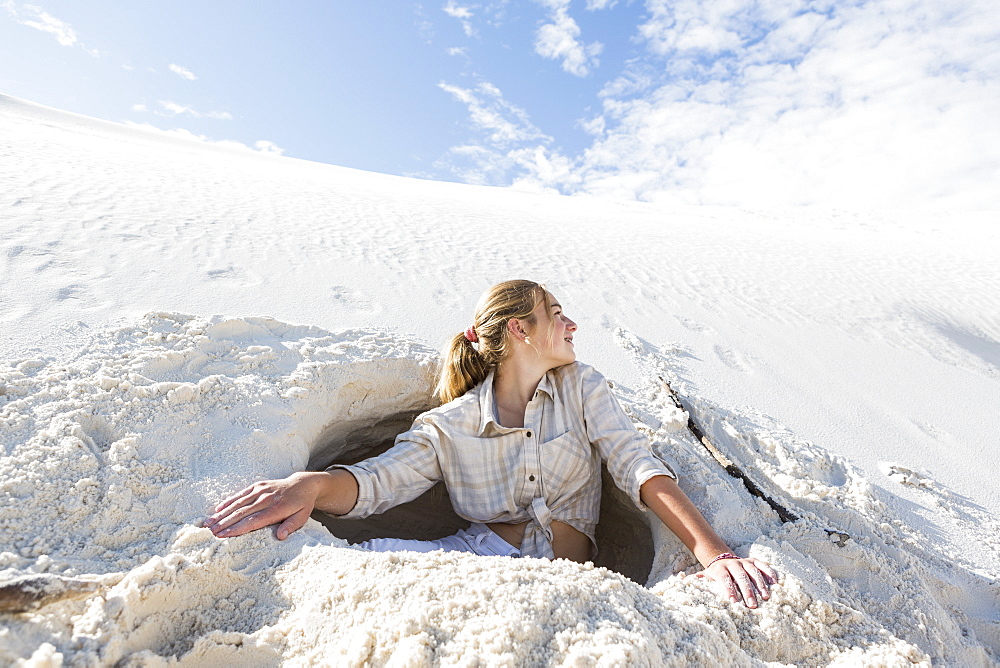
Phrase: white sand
x=872 y=336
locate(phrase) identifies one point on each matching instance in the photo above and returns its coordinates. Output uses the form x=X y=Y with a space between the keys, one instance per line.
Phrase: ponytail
x=466 y=365
x=463 y=369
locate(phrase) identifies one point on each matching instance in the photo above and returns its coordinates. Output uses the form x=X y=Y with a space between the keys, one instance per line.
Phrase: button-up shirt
x=547 y=470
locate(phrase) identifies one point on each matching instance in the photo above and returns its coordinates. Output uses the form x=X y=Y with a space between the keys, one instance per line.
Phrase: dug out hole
x=624 y=540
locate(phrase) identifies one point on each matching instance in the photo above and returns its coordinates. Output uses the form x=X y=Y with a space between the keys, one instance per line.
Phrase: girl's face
x=553 y=333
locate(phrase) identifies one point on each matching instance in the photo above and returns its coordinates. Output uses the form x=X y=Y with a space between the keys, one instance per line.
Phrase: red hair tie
x=470 y=334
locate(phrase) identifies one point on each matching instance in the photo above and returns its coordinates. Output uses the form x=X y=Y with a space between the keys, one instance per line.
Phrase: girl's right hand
x=287 y=502
x=741 y=580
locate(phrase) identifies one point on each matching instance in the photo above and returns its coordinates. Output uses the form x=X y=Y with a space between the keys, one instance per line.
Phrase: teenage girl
x=518 y=442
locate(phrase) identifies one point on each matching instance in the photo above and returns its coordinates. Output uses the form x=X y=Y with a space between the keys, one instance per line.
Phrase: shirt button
x=528 y=434
x=531 y=478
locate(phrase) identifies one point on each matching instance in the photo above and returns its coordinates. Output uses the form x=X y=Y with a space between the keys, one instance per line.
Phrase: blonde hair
x=466 y=365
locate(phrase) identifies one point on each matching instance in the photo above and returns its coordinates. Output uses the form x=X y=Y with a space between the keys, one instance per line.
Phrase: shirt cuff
x=366 y=492
x=645 y=469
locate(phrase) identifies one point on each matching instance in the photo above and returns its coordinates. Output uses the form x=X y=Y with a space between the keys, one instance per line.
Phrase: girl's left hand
x=741 y=579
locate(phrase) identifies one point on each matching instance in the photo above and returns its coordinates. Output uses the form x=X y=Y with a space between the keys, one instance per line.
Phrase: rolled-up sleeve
x=400 y=474
x=627 y=453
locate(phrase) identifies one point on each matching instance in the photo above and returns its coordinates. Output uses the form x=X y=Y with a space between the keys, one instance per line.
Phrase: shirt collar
x=486 y=401
x=547 y=386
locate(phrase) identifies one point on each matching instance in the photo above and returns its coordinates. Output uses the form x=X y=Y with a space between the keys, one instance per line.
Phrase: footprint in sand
x=611 y=299
x=85 y=298
x=97 y=430
x=348 y=299
x=930 y=429
x=733 y=359
x=238 y=276
x=447 y=298
x=695 y=326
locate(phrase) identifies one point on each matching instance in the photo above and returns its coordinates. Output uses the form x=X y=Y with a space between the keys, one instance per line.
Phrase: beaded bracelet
x=724 y=555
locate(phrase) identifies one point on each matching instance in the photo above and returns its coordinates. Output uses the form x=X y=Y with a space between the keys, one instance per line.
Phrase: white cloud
x=509 y=144
x=504 y=123
x=635 y=79
x=269 y=147
x=175 y=109
x=688 y=25
x=463 y=14
x=456 y=11
x=62 y=31
x=139 y=107
x=593 y=5
x=558 y=41
x=594 y=126
x=873 y=105
x=182 y=72
x=35 y=17
x=472 y=15
x=543 y=170
x=260 y=146
x=791 y=102
x=39 y=19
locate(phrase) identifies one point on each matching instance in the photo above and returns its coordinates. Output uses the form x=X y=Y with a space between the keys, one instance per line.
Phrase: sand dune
x=847 y=362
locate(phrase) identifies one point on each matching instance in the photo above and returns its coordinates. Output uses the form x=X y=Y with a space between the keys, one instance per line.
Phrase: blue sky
x=848 y=104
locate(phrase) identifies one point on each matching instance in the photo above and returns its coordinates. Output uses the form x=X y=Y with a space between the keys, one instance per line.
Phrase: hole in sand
x=624 y=540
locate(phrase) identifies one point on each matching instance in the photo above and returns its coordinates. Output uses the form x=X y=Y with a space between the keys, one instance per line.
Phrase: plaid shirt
x=547 y=470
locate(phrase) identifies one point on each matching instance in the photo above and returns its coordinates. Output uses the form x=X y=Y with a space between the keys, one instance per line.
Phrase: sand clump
x=111 y=459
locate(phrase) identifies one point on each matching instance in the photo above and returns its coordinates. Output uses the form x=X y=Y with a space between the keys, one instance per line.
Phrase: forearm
x=664 y=497
x=336 y=491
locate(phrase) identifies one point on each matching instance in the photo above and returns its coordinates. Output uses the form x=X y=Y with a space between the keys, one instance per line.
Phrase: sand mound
x=112 y=458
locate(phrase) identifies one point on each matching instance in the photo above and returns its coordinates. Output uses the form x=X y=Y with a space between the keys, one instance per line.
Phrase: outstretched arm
x=287 y=502
x=374 y=485
x=741 y=578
